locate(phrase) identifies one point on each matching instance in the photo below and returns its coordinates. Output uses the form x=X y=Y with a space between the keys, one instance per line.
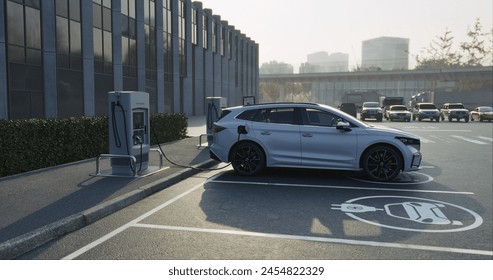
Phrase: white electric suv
x=305 y=135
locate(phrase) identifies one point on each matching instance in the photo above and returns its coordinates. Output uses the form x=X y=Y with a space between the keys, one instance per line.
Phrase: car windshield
x=456 y=106
x=371 y=105
x=427 y=106
x=398 y=108
x=486 y=109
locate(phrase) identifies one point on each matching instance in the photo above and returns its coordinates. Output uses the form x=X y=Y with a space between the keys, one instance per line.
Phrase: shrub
x=32 y=144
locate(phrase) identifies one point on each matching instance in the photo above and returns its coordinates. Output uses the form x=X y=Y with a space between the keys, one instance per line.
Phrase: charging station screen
x=138 y=120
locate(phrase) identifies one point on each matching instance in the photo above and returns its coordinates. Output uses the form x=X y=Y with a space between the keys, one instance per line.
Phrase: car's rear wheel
x=248 y=159
x=382 y=163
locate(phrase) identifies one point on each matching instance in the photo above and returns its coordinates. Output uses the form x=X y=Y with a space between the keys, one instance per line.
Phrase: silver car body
x=311 y=146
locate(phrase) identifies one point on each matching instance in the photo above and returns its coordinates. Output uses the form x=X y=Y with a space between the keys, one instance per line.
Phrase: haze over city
x=287 y=31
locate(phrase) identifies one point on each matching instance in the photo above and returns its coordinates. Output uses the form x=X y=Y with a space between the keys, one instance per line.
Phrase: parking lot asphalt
x=42 y=205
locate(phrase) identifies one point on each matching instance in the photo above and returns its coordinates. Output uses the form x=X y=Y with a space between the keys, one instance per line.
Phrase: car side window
x=247 y=115
x=317 y=117
x=283 y=115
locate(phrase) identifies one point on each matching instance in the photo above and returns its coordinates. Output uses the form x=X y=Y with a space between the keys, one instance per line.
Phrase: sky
x=288 y=30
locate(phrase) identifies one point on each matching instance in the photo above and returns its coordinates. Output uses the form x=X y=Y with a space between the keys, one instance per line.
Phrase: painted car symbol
x=421 y=212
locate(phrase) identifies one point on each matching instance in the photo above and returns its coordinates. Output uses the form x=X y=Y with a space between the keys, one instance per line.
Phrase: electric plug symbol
x=354 y=208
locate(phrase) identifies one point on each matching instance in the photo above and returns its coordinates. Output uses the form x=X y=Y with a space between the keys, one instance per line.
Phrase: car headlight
x=413 y=142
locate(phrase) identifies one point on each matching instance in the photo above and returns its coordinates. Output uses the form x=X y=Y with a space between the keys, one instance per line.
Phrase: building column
x=4 y=107
x=160 y=57
x=187 y=80
x=208 y=59
x=176 y=106
x=199 y=63
x=282 y=92
x=116 y=37
x=48 y=27
x=217 y=57
x=88 y=59
x=141 y=58
x=225 y=64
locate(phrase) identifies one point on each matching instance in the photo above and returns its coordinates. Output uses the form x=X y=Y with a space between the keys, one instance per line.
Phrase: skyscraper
x=385 y=53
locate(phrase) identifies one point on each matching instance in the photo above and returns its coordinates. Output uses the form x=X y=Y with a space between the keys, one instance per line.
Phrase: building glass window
x=69 y=58
x=194 y=27
x=68 y=34
x=214 y=37
x=24 y=59
x=222 y=35
x=205 y=28
x=181 y=37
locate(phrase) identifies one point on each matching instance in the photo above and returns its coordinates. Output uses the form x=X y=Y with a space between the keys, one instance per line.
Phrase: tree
x=475 y=51
x=440 y=53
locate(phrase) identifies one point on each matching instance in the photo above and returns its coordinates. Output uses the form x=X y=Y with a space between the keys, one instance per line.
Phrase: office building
x=385 y=53
x=321 y=62
x=60 y=58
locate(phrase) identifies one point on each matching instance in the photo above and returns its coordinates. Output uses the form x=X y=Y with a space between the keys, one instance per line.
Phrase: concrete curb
x=27 y=242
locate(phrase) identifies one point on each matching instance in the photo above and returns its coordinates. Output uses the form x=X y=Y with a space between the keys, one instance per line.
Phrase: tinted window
x=427 y=106
x=319 y=118
x=246 y=115
x=276 y=115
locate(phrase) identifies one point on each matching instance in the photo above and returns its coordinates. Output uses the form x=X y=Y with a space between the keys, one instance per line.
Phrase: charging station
x=129 y=130
x=214 y=106
x=129 y=135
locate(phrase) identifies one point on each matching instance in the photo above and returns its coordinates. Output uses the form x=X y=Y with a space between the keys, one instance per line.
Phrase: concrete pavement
x=42 y=205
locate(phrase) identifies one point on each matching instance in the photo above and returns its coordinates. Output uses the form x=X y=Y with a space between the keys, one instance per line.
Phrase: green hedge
x=27 y=145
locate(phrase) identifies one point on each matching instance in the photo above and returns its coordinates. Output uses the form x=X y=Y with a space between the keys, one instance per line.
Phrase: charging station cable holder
x=133 y=162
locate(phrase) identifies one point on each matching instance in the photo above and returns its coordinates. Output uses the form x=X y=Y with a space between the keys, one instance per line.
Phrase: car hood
x=385 y=130
x=429 y=110
x=395 y=112
x=458 y=110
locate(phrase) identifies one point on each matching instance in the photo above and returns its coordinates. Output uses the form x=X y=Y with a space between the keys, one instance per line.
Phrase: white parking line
x=335 y=187
x=425 y=140
x=486 y=138
x=321 y=239
x=128 y=225
x=469 y=140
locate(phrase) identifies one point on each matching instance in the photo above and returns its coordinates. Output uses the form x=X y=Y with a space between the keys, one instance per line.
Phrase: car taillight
x=218 y=128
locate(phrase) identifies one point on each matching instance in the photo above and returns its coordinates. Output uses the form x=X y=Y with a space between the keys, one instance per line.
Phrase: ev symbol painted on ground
x=410 y=213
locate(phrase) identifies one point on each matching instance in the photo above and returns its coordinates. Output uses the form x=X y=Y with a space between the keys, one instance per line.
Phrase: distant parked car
x=398 y=112
x=371 y=110
x=482 y=113
x=456 y=111
x=349 y=108
x=426 y=111
x=315 y=136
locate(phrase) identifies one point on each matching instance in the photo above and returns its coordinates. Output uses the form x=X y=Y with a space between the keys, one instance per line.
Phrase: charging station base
x=136 y=174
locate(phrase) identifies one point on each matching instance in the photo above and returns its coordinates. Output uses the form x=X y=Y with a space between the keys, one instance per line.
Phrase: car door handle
x=265 y=133
x=307 y=135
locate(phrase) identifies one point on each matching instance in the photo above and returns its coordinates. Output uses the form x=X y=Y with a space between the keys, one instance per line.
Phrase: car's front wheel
x=382 y=163
x=248 y=159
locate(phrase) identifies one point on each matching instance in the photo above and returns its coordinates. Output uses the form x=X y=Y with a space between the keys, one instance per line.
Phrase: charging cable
x=181 y=165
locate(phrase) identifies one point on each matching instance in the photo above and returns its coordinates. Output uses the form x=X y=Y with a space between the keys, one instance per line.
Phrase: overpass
x=329 y=88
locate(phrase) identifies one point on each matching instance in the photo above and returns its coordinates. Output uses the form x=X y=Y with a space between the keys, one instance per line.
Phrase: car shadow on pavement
x=324 y=204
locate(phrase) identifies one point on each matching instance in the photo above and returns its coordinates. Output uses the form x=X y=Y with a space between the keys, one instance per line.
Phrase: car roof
x=277 y=104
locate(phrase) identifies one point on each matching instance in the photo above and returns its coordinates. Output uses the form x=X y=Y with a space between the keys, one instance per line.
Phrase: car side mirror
x=342 y=125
